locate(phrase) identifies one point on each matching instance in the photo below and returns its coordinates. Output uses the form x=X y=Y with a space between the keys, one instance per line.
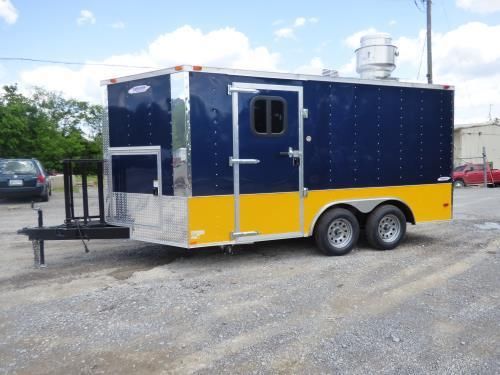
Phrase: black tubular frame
x=69 y=199
x=84 y=227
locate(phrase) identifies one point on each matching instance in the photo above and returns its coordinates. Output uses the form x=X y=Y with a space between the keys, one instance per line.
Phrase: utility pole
x=429 y=41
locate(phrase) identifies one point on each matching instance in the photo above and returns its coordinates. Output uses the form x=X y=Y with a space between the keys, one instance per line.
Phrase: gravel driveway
x=430 y=306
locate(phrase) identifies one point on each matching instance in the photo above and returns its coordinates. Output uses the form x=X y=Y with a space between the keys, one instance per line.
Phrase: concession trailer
x=197 y=156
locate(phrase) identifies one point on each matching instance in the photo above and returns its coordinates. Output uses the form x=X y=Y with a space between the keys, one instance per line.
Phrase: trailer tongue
x=85 y=227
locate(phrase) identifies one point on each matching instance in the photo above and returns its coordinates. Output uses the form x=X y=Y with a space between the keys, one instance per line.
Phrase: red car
x=473 y=174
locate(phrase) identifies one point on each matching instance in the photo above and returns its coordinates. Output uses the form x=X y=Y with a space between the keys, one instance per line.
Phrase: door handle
x=233 y=161
x=291 y=153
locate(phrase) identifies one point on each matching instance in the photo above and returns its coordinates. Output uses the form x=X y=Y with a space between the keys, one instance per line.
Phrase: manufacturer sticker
x=196 y=234
x=138 y=89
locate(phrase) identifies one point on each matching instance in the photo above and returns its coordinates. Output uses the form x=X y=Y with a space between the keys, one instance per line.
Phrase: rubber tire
x=45 y=197
x=458 y=184
x=321 y=231
x=372 y=223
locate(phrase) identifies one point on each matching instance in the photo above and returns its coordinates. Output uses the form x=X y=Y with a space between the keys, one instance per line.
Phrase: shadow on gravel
x=125 y=258
x=129 y=256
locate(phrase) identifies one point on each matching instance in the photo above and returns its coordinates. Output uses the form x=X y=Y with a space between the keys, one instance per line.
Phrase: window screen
x=268 y=115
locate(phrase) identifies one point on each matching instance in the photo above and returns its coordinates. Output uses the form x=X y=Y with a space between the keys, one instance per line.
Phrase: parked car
x=24 y=178
x=473 y=174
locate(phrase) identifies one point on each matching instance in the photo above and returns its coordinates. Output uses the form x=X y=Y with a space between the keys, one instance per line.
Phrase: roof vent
x=329 y=73
x=376 y=57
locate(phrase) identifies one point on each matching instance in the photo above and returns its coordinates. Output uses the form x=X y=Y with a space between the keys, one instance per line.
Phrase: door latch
x=295 y=155
x=155 y=187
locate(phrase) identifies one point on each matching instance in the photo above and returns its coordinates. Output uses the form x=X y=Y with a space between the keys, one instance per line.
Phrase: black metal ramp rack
x=85 y=227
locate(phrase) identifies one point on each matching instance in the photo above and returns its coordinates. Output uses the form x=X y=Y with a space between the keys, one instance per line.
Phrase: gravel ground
x=430 y=306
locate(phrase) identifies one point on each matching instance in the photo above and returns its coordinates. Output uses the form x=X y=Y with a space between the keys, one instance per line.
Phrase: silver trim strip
x=231 y=89
x=139 y=150
x=236 y=167
x=135 y=150
x=277 y=75
x=187 y=101
x=236 y=235
x=267 y=237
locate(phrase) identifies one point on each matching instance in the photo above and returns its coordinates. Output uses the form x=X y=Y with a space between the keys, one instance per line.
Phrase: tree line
x=48 y=127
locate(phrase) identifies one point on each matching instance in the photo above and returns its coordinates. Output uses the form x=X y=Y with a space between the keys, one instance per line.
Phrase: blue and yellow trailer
x=197 y=156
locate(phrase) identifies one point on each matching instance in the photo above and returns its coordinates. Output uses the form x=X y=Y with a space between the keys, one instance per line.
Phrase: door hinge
x=305 y=192
x=305 y=113
x=231 y=89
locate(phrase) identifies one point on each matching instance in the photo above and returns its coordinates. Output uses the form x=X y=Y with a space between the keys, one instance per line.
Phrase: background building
x=470 y=139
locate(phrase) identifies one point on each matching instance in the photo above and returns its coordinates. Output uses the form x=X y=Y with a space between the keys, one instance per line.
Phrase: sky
x=285 y=36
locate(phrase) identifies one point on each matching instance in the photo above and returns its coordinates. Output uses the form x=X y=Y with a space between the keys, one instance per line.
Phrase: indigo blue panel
x=134 y=173
x=360 y=135
x=369 y=135
x=211 y=130
x=318 y=152
x=275 y=172
x=446 y=115
x=143 y=118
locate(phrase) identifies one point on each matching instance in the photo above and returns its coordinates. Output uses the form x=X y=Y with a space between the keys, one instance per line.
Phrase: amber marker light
x=113 y=80
x=178 y=68
x=446 y=204
x=197 y=67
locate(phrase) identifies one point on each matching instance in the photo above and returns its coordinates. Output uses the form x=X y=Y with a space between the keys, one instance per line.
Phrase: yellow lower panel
x=427 y=202
x=211 y=219
x=270 y=213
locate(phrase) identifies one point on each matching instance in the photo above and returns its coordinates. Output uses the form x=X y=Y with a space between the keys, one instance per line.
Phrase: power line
x=418 y=6
x=421 y=58
x=27 y=59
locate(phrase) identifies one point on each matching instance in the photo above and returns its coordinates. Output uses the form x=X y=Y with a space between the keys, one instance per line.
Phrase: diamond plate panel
x=151 y=218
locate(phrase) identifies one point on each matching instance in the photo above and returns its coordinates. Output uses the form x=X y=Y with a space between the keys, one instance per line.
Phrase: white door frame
x=244 y=87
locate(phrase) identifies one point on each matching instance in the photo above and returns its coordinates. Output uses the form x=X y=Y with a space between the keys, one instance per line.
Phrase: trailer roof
x=276 y=75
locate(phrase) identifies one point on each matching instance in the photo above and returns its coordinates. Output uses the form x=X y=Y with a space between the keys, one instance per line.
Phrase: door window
x=268 y=115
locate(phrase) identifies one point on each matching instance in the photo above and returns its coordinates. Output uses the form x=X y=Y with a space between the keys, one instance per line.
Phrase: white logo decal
x=196 y=234
x=441 y=179
x=138 y=89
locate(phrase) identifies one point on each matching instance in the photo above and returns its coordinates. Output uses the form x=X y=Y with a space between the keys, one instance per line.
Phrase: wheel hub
x=340 y=233
x=389 y=228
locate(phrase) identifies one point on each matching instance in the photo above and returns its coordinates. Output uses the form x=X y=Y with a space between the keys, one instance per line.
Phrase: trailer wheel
x=337 y=232
x=385 y=227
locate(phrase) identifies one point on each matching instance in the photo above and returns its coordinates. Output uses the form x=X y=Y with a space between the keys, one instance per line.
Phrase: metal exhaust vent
x=376 y=57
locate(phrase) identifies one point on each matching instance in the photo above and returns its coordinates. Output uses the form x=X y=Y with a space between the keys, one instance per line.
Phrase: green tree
x=48 y=126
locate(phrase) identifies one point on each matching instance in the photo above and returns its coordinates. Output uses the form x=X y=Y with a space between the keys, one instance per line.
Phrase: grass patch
x=77 y=183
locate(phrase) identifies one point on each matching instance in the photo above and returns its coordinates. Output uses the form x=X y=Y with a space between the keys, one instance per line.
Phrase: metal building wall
x=469 y=142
